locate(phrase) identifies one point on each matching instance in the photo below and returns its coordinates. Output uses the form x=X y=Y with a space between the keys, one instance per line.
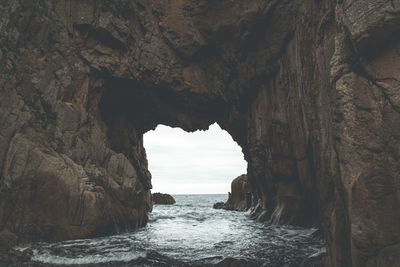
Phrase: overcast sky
x=203 y=162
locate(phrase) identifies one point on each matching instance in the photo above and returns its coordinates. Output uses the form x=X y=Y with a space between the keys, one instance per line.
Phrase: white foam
x=89 y=259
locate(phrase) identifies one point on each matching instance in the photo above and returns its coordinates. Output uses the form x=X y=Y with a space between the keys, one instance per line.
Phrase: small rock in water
x=165 y=199
x=219 y=205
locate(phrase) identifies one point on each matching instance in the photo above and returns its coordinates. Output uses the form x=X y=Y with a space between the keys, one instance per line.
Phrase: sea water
x=189 y=232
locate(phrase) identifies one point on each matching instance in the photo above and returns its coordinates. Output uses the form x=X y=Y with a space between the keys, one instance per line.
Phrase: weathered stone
x=239 y=197
x=163 y=199
x=14 y=257
x=10 y=256
x=219 y=205
x=7 y=240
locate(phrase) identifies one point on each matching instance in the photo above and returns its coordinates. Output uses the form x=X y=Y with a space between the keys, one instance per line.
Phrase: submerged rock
x=164 y=199
x=240 y=198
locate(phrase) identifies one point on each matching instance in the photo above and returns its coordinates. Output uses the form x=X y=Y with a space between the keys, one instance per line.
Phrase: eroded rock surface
x=164 y=199
x=8 y=255
x=309 y=89
x=239 y=197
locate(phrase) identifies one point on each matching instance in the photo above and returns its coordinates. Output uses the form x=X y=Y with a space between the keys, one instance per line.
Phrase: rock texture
x=239 y=197
x=10 y=256
x=308 y=88
x=163 y=199
x=219 y=205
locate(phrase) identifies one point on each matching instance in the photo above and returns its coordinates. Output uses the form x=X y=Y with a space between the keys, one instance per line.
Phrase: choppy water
x=190 y=232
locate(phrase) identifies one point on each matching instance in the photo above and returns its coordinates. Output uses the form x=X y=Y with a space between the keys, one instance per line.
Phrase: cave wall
x=308 y=89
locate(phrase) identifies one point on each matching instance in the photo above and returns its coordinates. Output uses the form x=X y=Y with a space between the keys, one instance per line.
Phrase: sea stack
x=163 y=199
x=240 y=198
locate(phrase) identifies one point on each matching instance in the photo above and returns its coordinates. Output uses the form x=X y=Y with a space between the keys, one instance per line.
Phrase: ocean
x=189 y=232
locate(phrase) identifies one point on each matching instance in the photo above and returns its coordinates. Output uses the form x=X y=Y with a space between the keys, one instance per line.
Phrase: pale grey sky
x=203 y=162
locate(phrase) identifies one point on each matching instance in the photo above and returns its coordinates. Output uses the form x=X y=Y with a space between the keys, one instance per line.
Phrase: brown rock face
x=240 y=196
x=9 y=256
x=7 y=240
x=163 y=199
x=309 y=89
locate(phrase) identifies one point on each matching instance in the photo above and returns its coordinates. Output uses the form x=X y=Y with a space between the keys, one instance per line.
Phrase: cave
x=308 y=89
x=130 y=109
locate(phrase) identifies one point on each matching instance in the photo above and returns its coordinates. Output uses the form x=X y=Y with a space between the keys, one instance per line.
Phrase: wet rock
x=14 y=257
x=240 y=198
x=10 y=256
x=7 y=240
x=388 y=256
x=219 y=205
x=164 y=199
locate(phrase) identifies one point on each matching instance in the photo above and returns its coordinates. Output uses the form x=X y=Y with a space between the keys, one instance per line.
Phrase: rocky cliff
x=308 y=88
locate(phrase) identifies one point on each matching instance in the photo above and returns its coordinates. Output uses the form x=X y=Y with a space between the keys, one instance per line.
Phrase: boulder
x=163 y=199
x=219 y=205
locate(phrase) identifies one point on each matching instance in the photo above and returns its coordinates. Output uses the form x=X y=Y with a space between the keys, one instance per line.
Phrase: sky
x=203 y=162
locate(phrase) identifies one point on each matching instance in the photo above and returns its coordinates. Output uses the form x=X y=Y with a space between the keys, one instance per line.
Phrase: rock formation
x=8 y=255
x=163 y=199
x=240 y=196
x=219 y=205
x=308 y=88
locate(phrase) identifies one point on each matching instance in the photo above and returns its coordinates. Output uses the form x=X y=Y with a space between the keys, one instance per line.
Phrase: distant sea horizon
x=190 y=194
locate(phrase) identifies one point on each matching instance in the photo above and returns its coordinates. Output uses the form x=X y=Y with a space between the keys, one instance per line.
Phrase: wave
x=187 y=235
x=161 y=217
x=48 y=258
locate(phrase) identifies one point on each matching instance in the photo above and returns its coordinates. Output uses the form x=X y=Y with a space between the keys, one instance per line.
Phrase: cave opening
x=133 y=114
x=201 y=162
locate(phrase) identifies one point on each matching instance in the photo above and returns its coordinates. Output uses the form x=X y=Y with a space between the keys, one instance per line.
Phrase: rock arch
x=308 y=89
